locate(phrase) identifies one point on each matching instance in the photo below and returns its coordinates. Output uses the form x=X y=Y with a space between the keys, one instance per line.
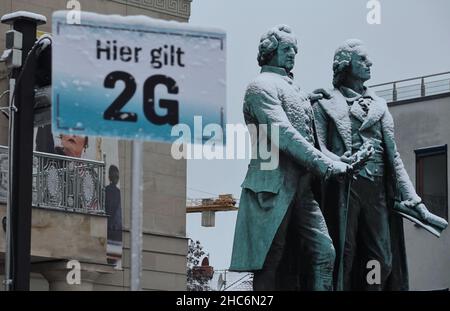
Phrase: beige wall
x=57 y=234
x=165 y=244
x=419 y=125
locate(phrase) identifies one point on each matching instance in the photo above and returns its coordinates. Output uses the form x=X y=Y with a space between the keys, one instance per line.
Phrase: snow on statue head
x=343 y=58
x=269 y=42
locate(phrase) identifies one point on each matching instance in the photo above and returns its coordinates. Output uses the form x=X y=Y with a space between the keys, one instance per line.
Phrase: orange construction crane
x=224 y=203
x=208 y=207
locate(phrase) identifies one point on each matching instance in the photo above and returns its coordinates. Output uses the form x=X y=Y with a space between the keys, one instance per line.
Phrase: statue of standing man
x=365 y=231
x=273 y=201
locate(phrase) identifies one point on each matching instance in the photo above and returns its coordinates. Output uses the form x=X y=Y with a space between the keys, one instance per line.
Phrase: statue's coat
x=267 y=194
x=333 y=129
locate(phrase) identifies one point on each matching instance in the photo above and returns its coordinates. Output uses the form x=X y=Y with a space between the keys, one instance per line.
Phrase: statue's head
x=351 y=62
x=278 y=48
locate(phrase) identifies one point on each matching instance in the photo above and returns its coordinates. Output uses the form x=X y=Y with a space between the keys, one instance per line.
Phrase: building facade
x=59 y=236
x=421 y=111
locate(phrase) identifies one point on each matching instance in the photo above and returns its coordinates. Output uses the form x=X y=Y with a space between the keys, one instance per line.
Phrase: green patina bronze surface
x=352 y=116
x=272 y=98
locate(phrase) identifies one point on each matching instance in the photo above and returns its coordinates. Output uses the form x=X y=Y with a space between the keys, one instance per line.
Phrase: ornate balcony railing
x=414 y=88
x=62 y=183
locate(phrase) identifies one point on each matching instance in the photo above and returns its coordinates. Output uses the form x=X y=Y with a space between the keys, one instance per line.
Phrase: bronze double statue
x=336 y=200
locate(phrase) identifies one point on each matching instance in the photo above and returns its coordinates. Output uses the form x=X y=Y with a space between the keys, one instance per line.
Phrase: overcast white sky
x=413 y=39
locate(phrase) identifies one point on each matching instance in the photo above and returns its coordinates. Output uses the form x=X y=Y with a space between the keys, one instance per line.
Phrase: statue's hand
x=347 y=157
x=318 y=94
x=412 y=203
x=341 y=170
x=429 y=217
x=423 y=211
x=360 y=158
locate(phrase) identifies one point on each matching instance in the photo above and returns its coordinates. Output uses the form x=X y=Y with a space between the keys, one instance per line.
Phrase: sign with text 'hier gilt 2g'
x=135 y=77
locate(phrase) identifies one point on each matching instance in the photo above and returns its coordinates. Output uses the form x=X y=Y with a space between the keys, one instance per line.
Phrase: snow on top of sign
x=139 y=20
x=24 y=14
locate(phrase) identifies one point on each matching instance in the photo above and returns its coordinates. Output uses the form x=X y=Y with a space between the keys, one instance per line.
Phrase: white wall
x=419 y=125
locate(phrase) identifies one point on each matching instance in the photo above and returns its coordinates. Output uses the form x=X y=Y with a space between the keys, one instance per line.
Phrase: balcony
x=419 y=87
x=62 y=183
x=68 y=209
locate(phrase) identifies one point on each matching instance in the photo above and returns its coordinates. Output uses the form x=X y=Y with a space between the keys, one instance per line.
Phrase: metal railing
x=414 y=87
x=62 y=183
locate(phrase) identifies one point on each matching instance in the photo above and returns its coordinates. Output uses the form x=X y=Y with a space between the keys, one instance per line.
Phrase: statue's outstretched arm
x=265 y=106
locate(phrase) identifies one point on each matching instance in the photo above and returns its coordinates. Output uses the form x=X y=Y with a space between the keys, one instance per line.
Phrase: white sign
x=135 y=77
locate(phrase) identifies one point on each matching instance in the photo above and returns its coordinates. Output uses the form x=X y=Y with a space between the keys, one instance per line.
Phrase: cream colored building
x=58 y=236
x=421 y=111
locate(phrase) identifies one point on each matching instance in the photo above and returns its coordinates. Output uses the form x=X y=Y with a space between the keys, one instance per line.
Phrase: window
x=431 y=179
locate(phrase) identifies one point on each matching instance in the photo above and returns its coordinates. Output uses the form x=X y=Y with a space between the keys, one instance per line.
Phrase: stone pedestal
x=56 y=272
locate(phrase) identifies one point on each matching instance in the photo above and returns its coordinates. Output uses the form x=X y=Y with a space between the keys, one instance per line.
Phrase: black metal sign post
x=18 y=256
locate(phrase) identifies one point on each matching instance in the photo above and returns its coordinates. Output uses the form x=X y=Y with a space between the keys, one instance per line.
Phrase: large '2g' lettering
x=113 y=112
x=149 y=100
